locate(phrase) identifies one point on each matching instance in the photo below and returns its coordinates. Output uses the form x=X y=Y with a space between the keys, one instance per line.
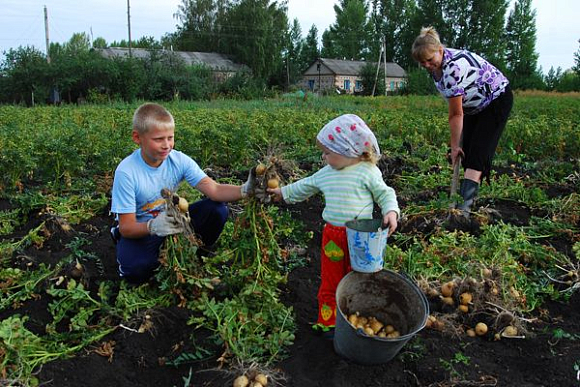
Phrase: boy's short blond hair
x=151 y=115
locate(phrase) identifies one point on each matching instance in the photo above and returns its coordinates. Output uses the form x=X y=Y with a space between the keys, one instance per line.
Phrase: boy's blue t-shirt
x=137 y=186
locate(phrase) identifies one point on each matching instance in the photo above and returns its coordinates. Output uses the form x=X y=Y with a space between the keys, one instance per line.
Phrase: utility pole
x=318 y=65
x=378 y=68
x=46 y=34
x=129 y=26
x=385 y=53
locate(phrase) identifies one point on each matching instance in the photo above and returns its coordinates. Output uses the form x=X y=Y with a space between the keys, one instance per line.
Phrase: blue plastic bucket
x=366 y=244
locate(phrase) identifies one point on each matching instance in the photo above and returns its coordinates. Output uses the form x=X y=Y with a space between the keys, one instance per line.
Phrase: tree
x=552 y=79
x=256 y=32
x=393 y=19
x=369 y=78
x=100 y=43
x=576 y=67
x=199 y=28
x=521 y=56
x=310 y=51
x=486 y=30
x=429 y=13
x=292 y=54
x=25 y=72
x=348 y=37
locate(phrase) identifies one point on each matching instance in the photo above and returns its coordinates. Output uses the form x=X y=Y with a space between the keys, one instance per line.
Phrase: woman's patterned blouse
x=469 y=75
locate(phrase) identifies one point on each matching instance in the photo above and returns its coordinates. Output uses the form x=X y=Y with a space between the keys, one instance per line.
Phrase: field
x=66 y=319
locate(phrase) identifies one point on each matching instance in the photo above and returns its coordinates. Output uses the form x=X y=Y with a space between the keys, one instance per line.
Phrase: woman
x=480 y=101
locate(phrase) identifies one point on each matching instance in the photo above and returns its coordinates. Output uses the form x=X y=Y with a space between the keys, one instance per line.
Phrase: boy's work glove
x=164 y=225
x=252 y=187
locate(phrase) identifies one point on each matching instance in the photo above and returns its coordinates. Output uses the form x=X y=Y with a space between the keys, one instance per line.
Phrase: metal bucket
x=388 y=296
x=366 y=244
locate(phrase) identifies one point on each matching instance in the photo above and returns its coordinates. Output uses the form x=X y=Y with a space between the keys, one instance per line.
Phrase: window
x=311 y=84
x=358 y=86
x=347 y=84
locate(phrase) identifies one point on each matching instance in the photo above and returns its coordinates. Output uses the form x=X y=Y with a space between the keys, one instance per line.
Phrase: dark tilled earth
x=429 y=359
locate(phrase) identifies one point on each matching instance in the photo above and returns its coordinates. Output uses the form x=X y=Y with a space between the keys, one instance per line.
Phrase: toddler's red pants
x=334 y=265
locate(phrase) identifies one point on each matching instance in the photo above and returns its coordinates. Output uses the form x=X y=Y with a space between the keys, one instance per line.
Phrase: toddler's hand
x=276 y=193
x=390 y=221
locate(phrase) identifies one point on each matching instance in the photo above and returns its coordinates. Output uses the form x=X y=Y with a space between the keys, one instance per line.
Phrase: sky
x=22 y=23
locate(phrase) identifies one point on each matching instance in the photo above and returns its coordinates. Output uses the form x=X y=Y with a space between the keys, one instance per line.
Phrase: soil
x=429 y=359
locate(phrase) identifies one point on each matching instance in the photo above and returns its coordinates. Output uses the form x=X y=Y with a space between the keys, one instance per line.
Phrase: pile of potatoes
x=372 y=326
x=256 y=380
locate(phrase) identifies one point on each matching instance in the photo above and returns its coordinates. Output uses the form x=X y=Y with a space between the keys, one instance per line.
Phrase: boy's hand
x=249 y=187
x=164 y=225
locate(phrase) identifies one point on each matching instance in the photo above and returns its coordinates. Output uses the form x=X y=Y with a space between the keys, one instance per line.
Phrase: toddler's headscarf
x=348 y=135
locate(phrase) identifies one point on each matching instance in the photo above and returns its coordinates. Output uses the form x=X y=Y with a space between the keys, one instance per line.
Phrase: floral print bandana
x=349 y=136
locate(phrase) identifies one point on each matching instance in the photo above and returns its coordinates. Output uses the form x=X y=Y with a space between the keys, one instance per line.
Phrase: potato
x=369 y=331
x=260 y=169
x=447 y=289
x=448 y=301
x=183 y=205
x=480 y=329
x=273 y=183
x=510 y=330
x=376 y=325
x=465 y=298
x=463 y=308
x=470 y=332
x=241 y=381
x=353 y=319
x=262 y=379
x=389 y=329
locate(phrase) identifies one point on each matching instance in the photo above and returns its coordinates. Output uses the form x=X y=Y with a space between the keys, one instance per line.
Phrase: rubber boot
x=468 y=191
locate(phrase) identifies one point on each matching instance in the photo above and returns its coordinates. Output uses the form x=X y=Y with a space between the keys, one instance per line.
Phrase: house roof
x=354 y=67
x=214 y=60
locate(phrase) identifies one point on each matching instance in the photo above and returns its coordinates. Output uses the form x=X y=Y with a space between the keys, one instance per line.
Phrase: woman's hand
x=390 y=221
x=455 y=153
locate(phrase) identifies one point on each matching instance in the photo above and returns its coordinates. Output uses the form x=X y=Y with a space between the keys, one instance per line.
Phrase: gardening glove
x=251 y=187
x=164 y=225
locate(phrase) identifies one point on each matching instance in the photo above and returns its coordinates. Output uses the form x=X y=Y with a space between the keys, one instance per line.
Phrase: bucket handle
x=364 y=208
x=383 y=224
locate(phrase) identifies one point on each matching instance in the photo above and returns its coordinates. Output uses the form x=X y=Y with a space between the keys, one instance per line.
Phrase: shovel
x=455 y=181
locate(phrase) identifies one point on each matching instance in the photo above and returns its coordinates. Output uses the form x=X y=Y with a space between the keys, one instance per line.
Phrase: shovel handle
x=455 y=178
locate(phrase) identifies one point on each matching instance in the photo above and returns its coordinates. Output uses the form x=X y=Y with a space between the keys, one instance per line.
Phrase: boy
x=139 y=206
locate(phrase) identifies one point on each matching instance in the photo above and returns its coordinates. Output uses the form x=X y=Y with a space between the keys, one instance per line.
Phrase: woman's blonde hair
x=426 y=44
x=151 y=115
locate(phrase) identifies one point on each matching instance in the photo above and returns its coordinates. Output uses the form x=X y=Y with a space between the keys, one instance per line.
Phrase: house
x=222 y=65
x=343 y=76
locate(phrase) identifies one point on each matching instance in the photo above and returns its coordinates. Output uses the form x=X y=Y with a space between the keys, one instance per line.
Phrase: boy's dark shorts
x=481 y=133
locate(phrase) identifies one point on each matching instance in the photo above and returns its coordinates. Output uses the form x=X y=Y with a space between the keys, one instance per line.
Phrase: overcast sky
x=22 y=22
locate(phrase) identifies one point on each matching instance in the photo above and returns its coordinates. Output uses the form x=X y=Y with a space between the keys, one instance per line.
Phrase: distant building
x=344 y=76
x=222 y=65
